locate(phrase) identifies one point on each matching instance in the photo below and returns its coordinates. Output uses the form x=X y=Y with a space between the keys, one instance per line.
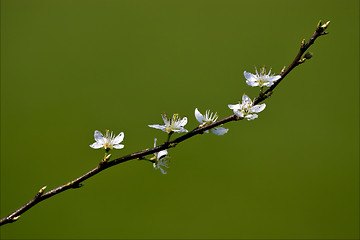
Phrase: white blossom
x=109 y=141
x=208 y=119
x=246 y=109
x=161 y=160
x=175 y=124
x=260 y=79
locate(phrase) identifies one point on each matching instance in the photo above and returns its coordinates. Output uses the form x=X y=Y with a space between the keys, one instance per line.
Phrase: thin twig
x=41 y=196
x=320 y=31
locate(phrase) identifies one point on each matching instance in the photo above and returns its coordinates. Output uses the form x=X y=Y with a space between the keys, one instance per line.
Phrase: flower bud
x=318 y=25
x=16 y=218
x=302 y=60
x=283 y=70
x=303 y=43
x=324 y=26
x=42 y=190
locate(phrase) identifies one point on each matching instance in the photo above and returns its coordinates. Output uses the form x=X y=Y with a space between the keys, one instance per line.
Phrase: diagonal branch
x=41 y=196
x=320 y=31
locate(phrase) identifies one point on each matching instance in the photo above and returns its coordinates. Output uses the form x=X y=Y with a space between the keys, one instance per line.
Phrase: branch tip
x=325 y=25
x=318 y=25
x=321 y=27
x=42 y=190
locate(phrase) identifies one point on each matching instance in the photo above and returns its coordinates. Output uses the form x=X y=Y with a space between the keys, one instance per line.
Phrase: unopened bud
x=16 y=218
x=302 y=60
x=318 y=25
x=308 y=55
x=283 y=70
x=324 y=26
x=303 y=43
x=42 y=190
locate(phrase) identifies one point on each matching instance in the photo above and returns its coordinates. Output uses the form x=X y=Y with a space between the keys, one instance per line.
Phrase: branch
x=41 y=196
x=320 y=31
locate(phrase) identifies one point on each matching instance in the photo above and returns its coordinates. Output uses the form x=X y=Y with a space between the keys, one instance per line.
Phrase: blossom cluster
x=244 y=110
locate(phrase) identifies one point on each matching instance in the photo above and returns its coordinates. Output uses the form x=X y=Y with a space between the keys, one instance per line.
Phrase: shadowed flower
x=175 y=124
x=208 y=119
x=161 y=160
x=260 y=79
x=246 y=108
x=109 y=141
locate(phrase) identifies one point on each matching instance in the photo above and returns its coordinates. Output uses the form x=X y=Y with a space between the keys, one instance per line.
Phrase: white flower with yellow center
x=109 y=141
x=207 y=119
x=260 y=79
x=160 y=160
x=246 y=109
x=175 y=124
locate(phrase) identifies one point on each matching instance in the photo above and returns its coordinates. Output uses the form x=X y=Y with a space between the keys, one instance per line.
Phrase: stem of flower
x=169 y=135
x=261 y=90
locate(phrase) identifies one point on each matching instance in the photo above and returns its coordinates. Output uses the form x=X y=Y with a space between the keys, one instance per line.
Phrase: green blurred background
x=71 y=67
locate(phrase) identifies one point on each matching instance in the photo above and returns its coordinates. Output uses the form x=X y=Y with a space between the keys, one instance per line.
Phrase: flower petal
x=257 y=108
x=166 y=121
x=179 y=130
x=251 y=116
x=252 y=84
x=239 y=113
x=98 y=135
x=267 y=84
x=249 y=76
x=236 y=106
x=199 y=116
x=119 y=138
x=251 y=79
x=162 y=154
x=118 y=146
x=157 y=126
x=162 y=170
x=96 y=145
x=183 y=122
x=245 y=99
x=274 y=78
x=220 y=130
